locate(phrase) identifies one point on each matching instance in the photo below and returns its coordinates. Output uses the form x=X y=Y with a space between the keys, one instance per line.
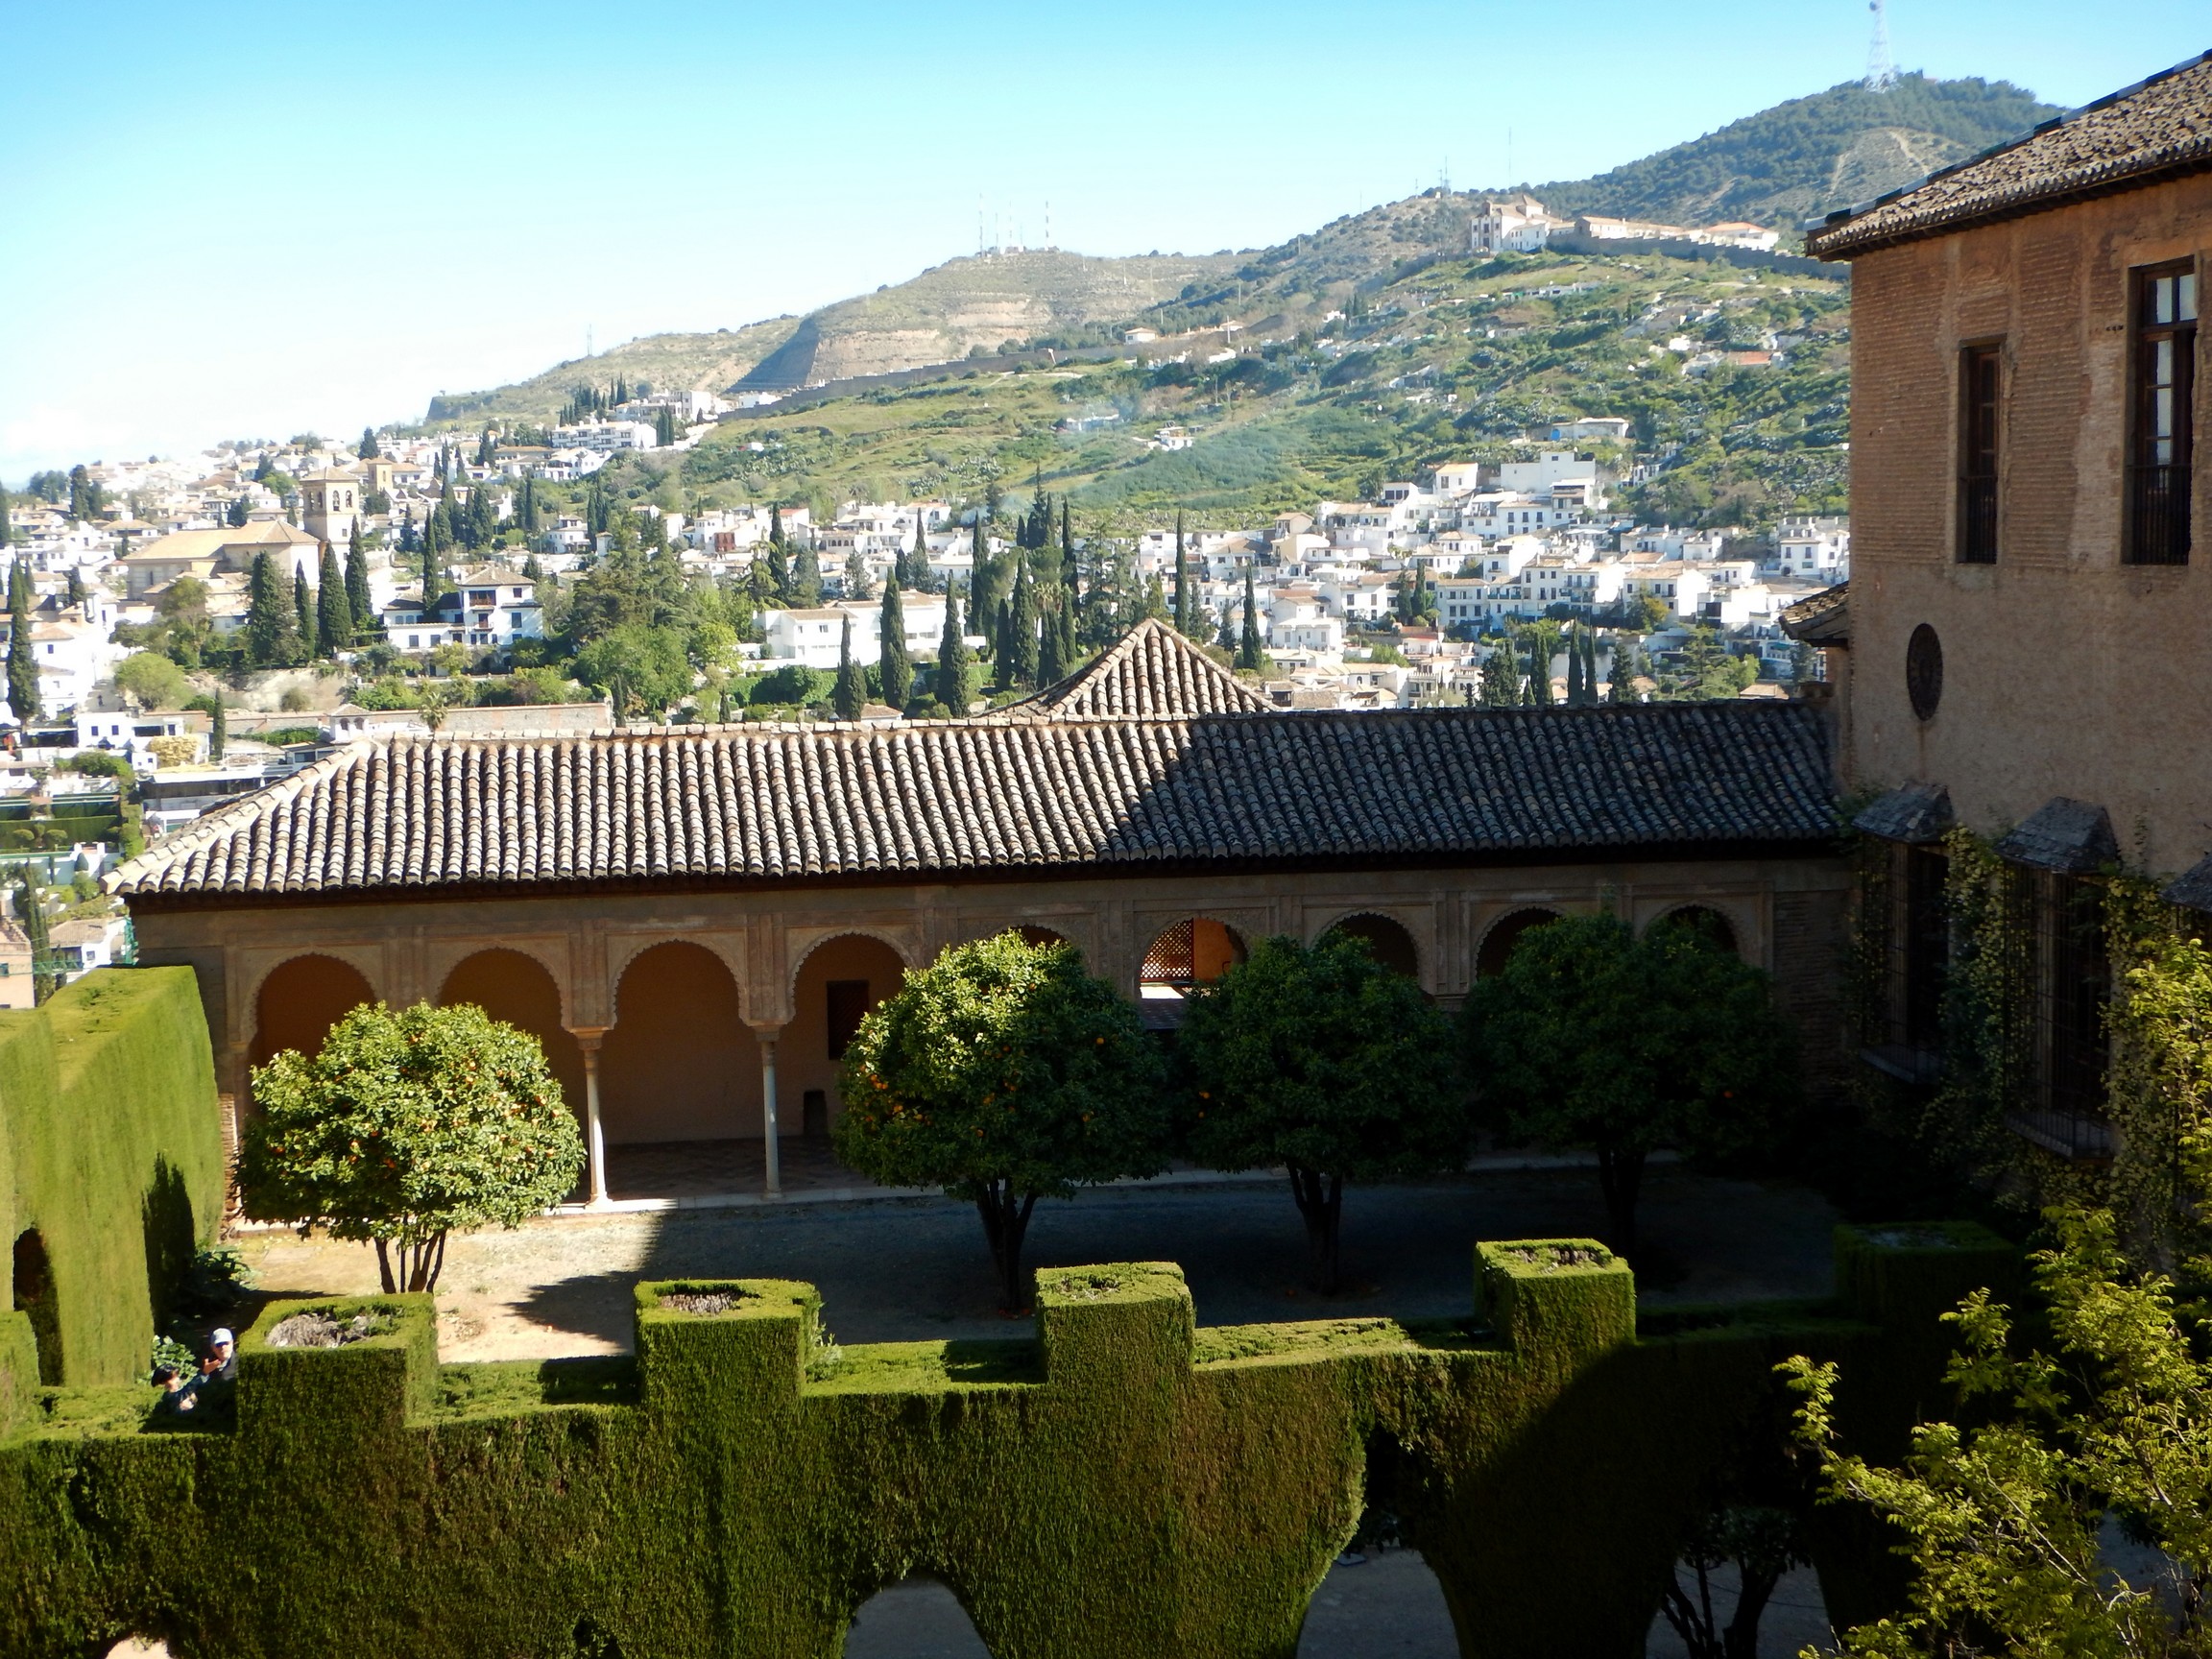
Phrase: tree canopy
x=1593 y=1038
x=1003 y=1073
x=1324 y=1060
x=409 y=1125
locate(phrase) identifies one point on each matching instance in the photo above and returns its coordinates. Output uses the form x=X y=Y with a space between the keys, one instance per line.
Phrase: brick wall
x=2065 y=671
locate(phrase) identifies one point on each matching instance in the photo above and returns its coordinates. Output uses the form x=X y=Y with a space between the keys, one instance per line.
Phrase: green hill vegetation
x=660 y=362
x=1459 y=359
x=1809 y=156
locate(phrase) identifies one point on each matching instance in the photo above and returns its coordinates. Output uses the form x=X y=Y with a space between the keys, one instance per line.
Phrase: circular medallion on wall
x=1924 y=671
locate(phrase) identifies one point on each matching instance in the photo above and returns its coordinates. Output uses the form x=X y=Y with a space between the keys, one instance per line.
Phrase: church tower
x=330 y=506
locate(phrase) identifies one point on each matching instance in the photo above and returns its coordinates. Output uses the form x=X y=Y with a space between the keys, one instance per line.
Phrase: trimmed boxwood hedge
x=1125 y=1484
x=111 y=1153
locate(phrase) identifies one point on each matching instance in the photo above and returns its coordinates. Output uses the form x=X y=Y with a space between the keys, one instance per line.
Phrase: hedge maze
x=1122 y=1484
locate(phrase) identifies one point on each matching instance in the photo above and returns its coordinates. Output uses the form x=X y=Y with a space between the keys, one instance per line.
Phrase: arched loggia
x=679 y=1063
x=300 y=1000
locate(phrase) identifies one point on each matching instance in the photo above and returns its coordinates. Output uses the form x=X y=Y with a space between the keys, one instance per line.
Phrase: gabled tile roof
x=936 y=797
x=1153 y=671
x=1822 y=618
x=2159 y=128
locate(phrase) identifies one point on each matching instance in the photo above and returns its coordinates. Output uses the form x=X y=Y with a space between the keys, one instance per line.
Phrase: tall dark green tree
x=1501 y=677
x=1540 y=667
x=850 y=693
x=303 y=611
x=234 y=514
x=779 y=573
x=1248 y=641
x=7 y=531
x=1590 y=667
x=77 y=593
x=86 y=499
x=434 y=546
x=892 y=666
x=912 y=569
x=266 y=605
x=30 y=908
x=333 y=610
x=955 y=681
x=1052 y=663
x=1575 y=667
x=22 y=653
x=806 y=577
x=369 y=450
x=1067 y=566
x=1185 y=623
x=1621 y=678
x=217 y=726
x=360 y=608
x=526 y=509
x=1020 y=667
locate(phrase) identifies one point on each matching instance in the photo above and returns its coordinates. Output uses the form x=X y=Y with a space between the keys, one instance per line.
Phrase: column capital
x=588 y=1037
x=767 y=1030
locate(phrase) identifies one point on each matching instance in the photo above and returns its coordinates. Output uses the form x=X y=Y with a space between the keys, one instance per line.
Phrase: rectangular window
x=2162 y=382
x=1979 y=379
x=848 y=1001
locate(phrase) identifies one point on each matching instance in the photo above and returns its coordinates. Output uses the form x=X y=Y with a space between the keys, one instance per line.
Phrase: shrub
x=406 y=1127
x=1003 y=1073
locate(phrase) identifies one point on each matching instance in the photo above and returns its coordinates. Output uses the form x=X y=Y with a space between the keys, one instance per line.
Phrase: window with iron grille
x=1172 y=958
x=1979 y=380
x=2162 y=383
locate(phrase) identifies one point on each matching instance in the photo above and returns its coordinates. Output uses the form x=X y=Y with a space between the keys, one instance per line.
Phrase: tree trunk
x=384 y=1269
x=1005 y=1223
x=1620 y=1176
x=1741 y=1640
x=1320 y=1199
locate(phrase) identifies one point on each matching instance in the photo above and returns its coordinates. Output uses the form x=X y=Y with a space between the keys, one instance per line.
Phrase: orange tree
x=1594 y=1040
x=1328 y=1063
x=1003 y=1073
x=409 y=1125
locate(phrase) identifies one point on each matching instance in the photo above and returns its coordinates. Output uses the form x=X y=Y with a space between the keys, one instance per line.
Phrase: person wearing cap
x=224 y=1348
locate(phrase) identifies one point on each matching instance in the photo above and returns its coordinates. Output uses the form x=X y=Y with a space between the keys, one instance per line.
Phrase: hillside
x=702 y=362
x=1777 y=166
x=975 y=304
x=1809 y=155
x=1455 y=358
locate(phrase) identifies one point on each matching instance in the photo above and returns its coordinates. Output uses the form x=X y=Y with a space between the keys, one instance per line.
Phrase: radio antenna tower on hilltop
x=1881 y=72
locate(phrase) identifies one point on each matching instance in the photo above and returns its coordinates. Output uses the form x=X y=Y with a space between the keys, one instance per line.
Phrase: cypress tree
x=264 y=614
x=894 y=667
x=1540 y=667
x=218 y=727
x=1064 y=625
x=361 y=611
x=779 y=571
x=34 y=917
x=7 y=531
x=77 y=594
x=302 y=612
x=1590 y=667
x=368 y=450
x=851 y=695
x=433 y=560
x=1051 y=667
x=1182 y=580
x=912 y=569
x=1066 y=546
x=234 y=514
x=806 y=577
x=952 y=679
x=22 y=658
x=1501 y=677
x=1248 y=643
x=1021 y=666
x=333 y=608
x=1575 y=667
x=1622 y=690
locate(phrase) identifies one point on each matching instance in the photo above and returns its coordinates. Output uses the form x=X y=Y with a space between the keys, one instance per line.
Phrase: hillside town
x=1391 y=602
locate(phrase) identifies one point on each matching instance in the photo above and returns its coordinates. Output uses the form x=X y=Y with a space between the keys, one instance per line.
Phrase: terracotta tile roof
x=2159 y=128
x=750 y=803
x=1154 y=672
x=1822 y=618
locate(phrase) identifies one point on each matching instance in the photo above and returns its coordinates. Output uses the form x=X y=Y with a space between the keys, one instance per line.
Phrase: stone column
x=587 y=1039
x=770 y=1153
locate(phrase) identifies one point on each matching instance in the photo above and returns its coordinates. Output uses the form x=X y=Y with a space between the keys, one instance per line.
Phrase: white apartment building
x=1516 y=225
x=605 y=437
x=815 y=637
x=1816 y=548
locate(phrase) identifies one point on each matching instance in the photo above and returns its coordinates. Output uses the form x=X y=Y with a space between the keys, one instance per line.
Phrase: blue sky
x=247 y=220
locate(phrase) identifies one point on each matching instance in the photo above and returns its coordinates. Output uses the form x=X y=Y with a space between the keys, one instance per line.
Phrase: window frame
x=1977 y=531
x=2141 y=543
